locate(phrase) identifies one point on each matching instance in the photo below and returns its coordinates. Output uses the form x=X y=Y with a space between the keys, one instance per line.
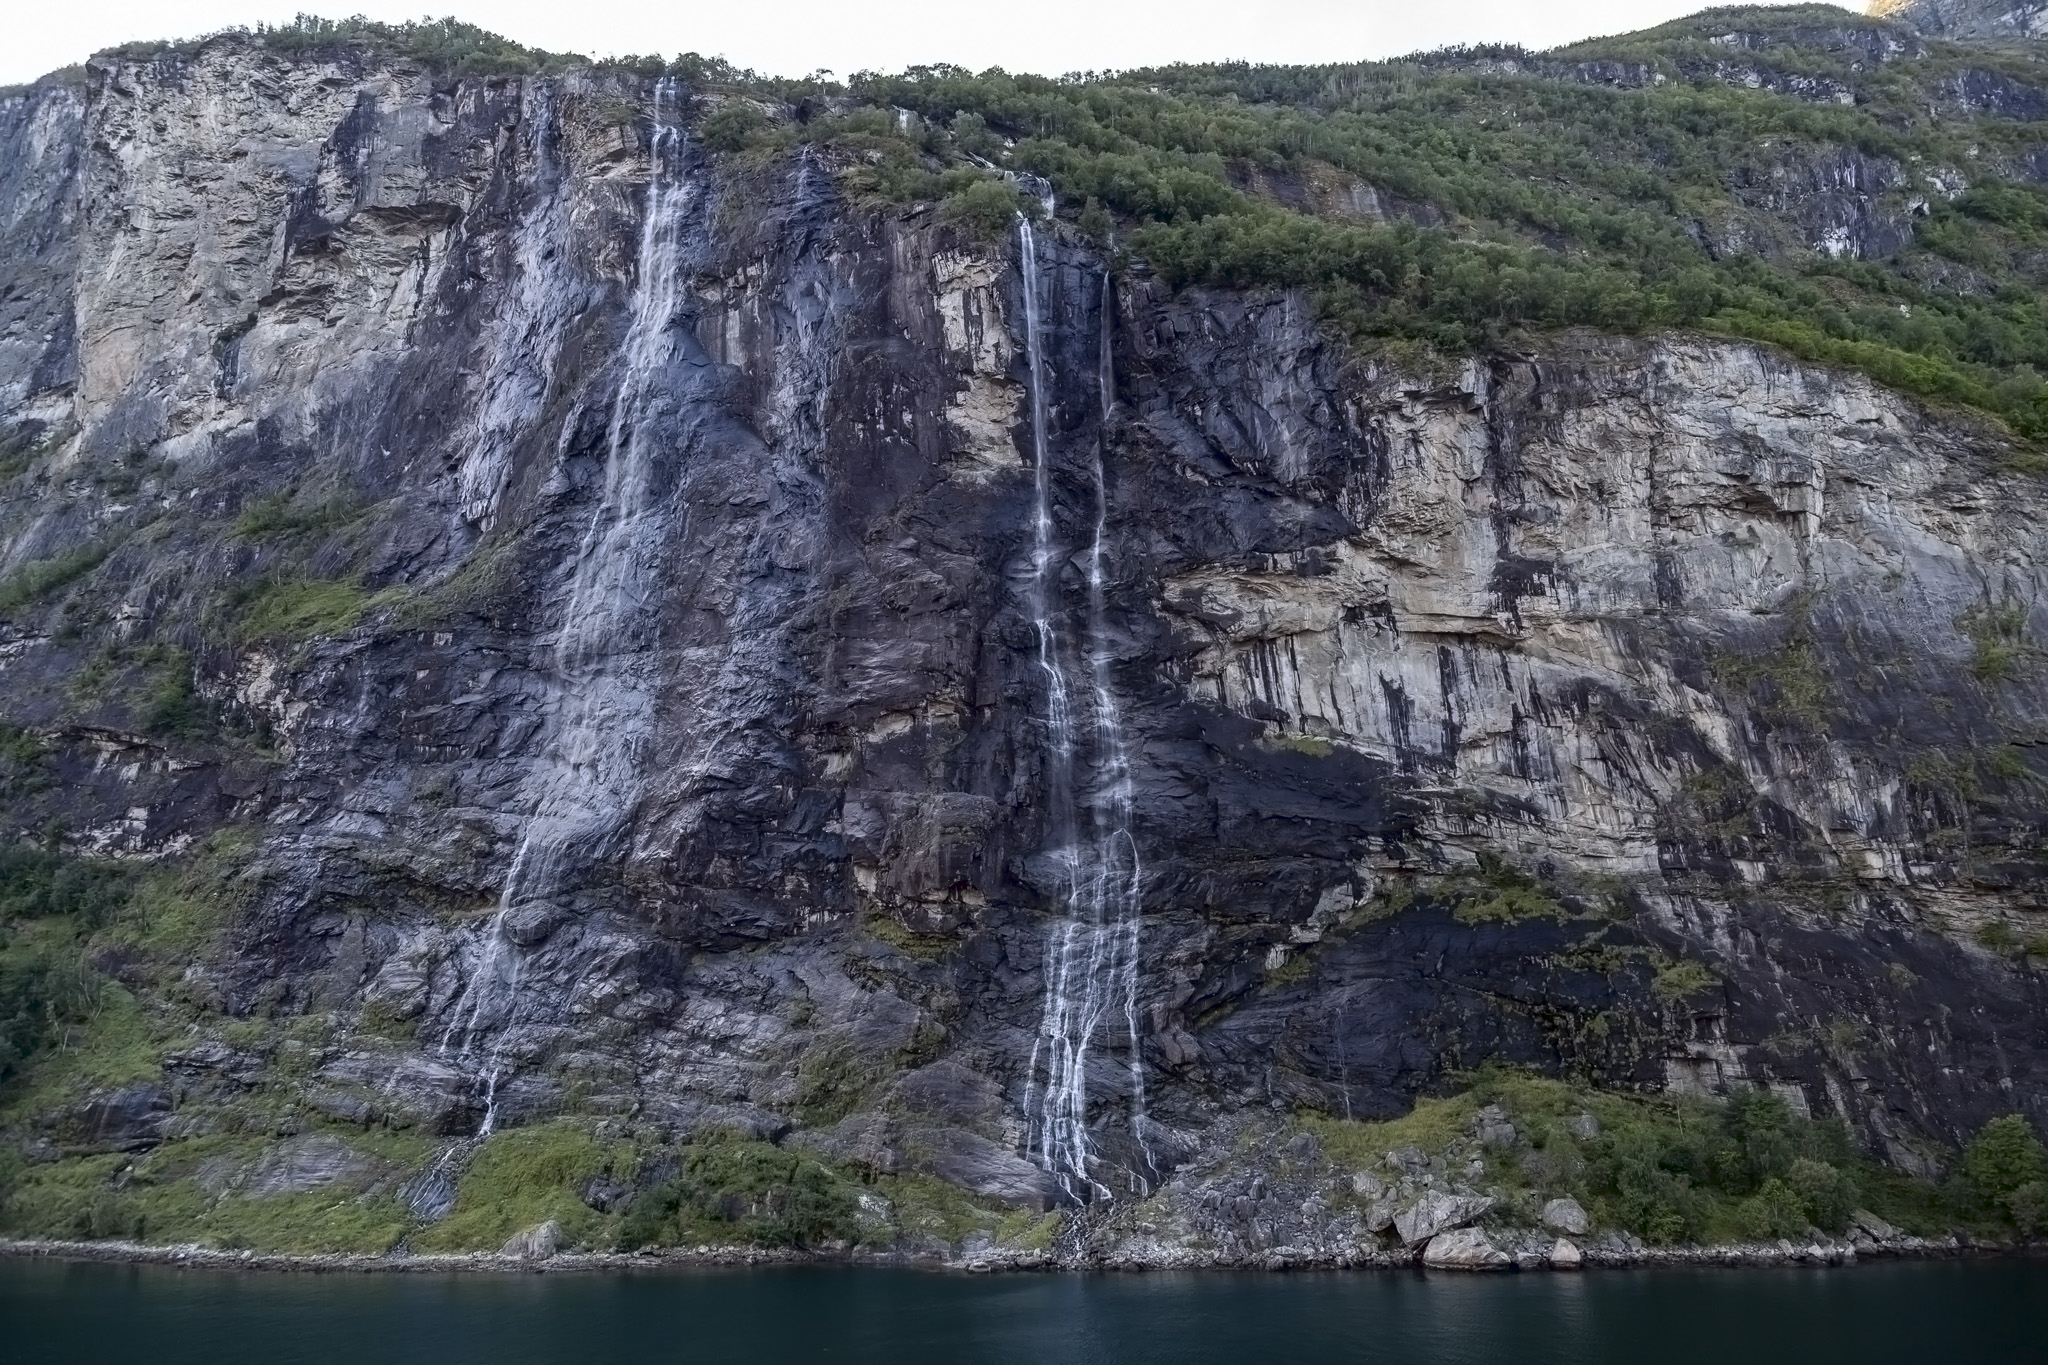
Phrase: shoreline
x=1829 y=1253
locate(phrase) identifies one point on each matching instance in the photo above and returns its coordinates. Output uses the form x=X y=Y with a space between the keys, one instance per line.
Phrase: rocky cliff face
x=658 y=639
x=1965 y=19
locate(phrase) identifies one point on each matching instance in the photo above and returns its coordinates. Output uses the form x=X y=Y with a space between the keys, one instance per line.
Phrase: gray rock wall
x=664 y=730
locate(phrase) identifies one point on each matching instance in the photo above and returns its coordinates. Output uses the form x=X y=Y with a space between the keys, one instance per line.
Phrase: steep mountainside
x=672 y=652
x=1967 y=18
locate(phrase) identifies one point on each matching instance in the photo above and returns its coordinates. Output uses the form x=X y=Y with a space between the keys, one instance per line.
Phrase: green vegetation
x=37 y=580
x=1504 y=895
x=48 y=902
x=286 y=608
x=286 y=515
x=1785 y=679
x=158 y=1198
x=1679 y=981
x=886 y=928
x=445 y=44
x=732 y=126
x=485 y=581
x=1518 y=194
x=2006 y=1168
x=1670 y=1169
x=63 y=1023
x=1997 y=632
x=719 y=1189
x=23 y=447
x=1465 y=198
x=173 y=708
x=730 y=1190
x=1682 y=1169
x=524 y=1177
x=152 y=685
x=24 y=765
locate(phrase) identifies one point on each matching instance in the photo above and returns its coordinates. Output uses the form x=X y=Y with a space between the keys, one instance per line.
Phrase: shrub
x=45 y=576
x=2004 y=1158
x=1659 y=1202
x=37 y=883
x=744 y=1191
x=521 y=1177
x=2028 y=1205
x=1774 y=1211
x=986 y=206
x=446 y=44
x=1998 y=936
x=41 y=990
x=1758 y=1125
x=1682 y=980
x=291 y=609
x=731 y=127
x=173 y=707
x=24 y=763
x=1827 y=1194
x=1997 y=635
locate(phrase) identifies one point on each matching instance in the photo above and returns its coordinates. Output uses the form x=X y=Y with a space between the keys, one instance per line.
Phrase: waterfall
x=584 y=788
x=1120 y=875
x=1091 y=959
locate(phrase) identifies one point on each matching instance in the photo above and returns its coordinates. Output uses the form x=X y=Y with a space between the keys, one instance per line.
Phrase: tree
x=2005 y=1159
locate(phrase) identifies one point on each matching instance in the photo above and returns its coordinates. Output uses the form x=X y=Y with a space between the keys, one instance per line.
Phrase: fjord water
x=1948 y=1312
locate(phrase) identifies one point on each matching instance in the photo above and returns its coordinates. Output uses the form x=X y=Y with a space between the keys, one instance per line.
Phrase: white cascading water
x=1121 y=875
x=1091 y=959
x=585 y=788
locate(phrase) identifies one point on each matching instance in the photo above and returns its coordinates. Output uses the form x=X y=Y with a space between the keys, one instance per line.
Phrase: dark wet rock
x=129 y=1119
x=745 y=727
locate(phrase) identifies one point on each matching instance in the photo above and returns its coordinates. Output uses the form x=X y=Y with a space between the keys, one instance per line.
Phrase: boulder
x=1464 y=1249
x=1437 y=1212
x=1565 y=1215
x=1409 y=1161
x=1584 y=1127
x=1877 y=1229
x=1565 y=1255
x=605 y=1194
x=537 y=1243
x=1492 y=1128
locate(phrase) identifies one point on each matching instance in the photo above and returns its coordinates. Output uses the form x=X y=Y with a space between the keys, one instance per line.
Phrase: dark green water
x=1948 y=1314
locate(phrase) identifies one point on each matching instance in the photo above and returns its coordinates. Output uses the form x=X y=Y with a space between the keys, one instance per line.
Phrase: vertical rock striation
x=788 y=666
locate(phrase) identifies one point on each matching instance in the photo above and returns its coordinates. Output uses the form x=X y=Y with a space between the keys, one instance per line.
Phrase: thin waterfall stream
x=586 y=787
x=1091 y=958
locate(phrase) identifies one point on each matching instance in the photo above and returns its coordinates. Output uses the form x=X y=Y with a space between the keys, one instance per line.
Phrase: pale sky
x=795 y=37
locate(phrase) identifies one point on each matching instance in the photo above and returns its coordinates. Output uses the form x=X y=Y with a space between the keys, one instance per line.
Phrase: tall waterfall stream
x=1091 y=956
x=587 y=788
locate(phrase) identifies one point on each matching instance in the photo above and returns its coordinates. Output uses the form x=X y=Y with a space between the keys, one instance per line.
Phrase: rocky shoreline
x=1613 y=1252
